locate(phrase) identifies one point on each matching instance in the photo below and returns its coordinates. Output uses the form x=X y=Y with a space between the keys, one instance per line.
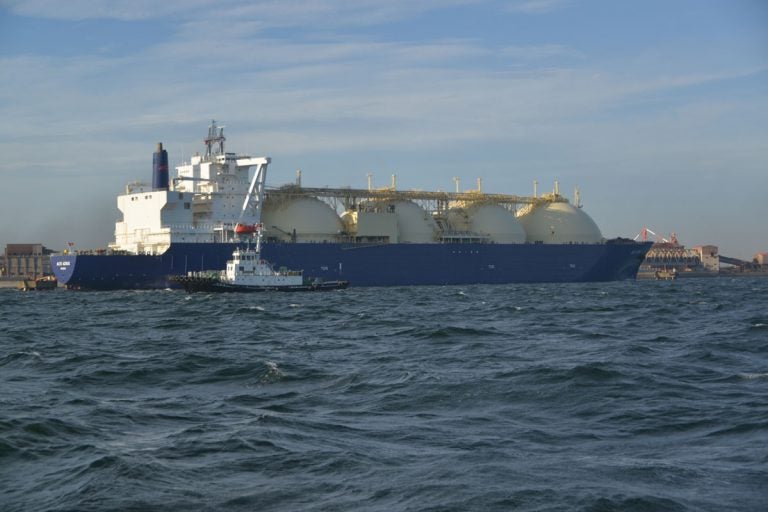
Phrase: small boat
x=665 y=275
x=247 y=272
x=41 y=283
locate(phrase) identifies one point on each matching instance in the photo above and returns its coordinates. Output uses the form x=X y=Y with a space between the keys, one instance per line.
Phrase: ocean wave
x=606 y=396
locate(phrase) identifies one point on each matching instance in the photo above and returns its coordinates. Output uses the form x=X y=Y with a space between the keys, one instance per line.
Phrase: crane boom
x=254 y=198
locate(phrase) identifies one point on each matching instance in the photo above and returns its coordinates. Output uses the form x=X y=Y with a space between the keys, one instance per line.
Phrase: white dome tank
x=310 y=218
x=414 y=225
x=559 y=223
x=488 y=219
x=496 y=221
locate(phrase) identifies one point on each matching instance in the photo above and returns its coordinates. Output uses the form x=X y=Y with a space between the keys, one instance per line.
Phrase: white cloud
x=541 y=52
x=263 y=13
x=537 y=6
x=340 y=94
x=126 y=10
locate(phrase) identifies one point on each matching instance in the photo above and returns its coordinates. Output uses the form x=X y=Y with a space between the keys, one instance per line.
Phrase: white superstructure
x=202 y=204
x=246 y=268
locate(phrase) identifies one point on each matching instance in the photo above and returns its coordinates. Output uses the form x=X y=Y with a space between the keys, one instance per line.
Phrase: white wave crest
x=753 y=376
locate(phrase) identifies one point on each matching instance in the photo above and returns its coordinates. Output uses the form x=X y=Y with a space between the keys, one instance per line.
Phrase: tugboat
x=246 y=271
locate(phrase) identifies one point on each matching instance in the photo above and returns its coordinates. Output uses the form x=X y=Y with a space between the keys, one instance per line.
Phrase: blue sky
x=656 y=110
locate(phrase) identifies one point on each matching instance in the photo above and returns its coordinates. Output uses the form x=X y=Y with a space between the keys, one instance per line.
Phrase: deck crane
x=255 y=195
x=643 y=235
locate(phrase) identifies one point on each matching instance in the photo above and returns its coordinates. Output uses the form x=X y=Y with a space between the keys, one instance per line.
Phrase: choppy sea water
x=613 y=396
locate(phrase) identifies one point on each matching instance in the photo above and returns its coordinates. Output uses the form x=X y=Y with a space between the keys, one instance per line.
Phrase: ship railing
x=191 y=228
x=283 y=271
x=96 y=252
x=465 y=237
x=203 y=273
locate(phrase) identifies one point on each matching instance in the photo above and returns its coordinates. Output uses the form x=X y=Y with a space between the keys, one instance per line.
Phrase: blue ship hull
x=369 y=265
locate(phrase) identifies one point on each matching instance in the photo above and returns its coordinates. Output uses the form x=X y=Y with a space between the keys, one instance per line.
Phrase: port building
x=26 y=260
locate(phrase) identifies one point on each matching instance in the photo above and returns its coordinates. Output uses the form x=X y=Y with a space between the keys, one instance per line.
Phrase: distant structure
x=708 y=257
x=757 y=267
x=26 y=260
x=669 y=259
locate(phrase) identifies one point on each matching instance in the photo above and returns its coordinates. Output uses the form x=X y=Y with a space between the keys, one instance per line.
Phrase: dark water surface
x=612 y=396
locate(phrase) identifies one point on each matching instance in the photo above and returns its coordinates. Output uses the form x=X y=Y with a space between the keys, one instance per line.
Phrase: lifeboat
x=246 y=229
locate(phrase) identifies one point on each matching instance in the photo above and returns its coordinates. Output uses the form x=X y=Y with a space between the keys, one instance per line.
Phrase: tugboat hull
x=194 y=284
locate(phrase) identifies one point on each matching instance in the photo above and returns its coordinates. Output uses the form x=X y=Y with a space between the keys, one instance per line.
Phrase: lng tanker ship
x=370 y=237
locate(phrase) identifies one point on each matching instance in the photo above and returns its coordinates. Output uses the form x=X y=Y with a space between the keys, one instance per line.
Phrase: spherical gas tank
x=559 y=223
x=497 y=222
x=302 y=219
x=414 y=225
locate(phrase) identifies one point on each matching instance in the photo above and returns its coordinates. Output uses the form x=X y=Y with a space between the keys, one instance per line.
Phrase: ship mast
x=215 y=136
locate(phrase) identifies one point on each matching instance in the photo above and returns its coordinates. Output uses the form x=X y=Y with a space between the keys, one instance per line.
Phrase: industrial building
x=26 y=260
